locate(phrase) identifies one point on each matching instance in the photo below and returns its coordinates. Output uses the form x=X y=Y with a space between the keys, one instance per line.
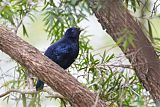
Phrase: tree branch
x=118 y=22
x=32 y=91
x=46 y=70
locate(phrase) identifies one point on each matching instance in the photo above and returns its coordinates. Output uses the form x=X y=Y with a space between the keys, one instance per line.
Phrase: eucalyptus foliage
x=116 y=85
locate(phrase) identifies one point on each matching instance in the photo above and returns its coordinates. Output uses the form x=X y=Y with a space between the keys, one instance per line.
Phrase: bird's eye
x=72 y=30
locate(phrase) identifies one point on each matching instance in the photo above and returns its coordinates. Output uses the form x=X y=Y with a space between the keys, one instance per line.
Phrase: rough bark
x=115 y=19
x=46 y=70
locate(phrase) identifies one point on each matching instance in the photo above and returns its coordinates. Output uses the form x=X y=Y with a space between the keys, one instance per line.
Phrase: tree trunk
x=118 y=22
x=46 y=70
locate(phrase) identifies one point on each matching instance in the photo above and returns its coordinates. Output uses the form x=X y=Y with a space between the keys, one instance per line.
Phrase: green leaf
x=150 y=30
x=24 y=100
x=24 y=30
x=133 y=3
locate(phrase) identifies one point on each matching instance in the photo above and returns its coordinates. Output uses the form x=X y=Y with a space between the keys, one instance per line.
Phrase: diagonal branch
x=46 y=70
x=118 y=22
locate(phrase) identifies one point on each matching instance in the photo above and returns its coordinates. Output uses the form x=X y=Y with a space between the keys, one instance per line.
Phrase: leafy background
x=101 y=66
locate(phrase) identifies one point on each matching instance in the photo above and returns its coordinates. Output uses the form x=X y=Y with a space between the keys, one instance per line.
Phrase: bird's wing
x=57 y=52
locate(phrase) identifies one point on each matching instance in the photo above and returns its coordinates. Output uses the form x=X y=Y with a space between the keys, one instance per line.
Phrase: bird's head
x=73 y=32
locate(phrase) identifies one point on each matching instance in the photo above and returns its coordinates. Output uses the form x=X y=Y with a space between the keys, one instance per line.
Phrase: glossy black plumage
x=64 y=51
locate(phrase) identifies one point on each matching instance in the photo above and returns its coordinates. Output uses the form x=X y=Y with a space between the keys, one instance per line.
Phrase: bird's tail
x=39 y=85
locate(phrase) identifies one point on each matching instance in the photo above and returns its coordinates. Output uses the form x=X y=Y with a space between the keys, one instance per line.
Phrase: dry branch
x=32 y=91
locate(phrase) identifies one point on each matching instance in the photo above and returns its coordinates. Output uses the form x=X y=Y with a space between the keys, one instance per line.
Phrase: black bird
x=64 y=51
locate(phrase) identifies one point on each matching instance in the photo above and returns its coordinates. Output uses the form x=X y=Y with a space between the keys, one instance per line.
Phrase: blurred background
x=35 y=23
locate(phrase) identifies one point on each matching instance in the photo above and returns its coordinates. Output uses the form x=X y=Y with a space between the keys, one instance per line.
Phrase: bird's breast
x=75 y=50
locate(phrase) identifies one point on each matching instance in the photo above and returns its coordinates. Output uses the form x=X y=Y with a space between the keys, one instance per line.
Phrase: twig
x=33 y=91
x=99 y=90
x=53 y=94
x=123 y=66
x=154 y=8
x=95 y=104
x=18 y=25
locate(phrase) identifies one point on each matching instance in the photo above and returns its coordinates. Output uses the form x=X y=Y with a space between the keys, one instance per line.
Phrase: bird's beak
x=80 y=29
